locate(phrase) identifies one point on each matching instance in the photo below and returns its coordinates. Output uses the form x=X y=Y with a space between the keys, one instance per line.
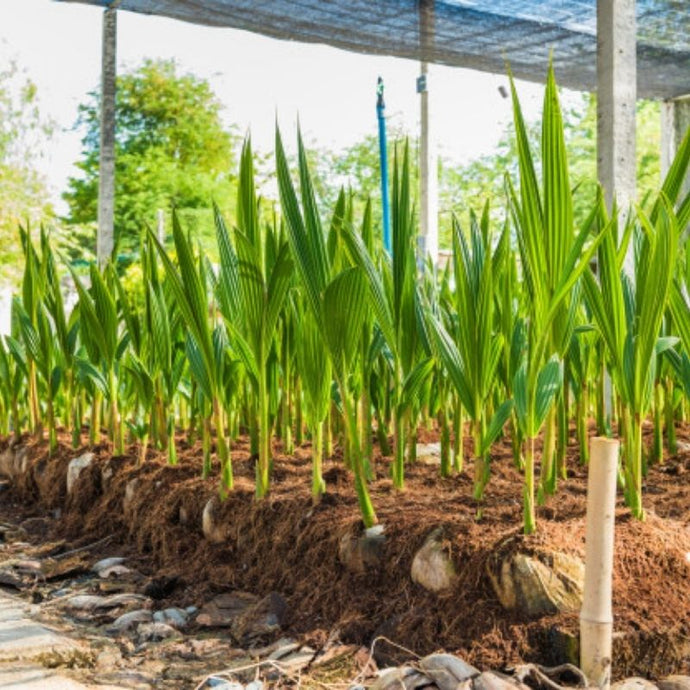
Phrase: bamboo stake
x=596 y=616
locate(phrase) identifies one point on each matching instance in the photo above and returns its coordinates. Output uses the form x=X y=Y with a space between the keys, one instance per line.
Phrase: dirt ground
x=286 y=544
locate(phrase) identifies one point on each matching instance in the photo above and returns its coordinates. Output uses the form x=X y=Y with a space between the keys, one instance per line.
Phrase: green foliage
x=23 y=193
x=307 y=318
x=172 y=152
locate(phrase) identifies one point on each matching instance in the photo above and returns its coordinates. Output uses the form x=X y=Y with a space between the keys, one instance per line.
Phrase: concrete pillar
x=106 y=182
x=428 y=154
x=675 y=121
x=616 y=100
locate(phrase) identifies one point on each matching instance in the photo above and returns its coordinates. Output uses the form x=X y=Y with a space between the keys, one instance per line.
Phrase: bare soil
x=286 y=544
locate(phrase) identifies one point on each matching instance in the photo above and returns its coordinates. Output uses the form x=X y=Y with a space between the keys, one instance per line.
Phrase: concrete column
x=675 y=121
x=616 y=100
x=106 y=183
x=428 y=154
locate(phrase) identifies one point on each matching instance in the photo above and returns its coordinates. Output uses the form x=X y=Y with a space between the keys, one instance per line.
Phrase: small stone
x=92 y=602
x=177 y=618
x=107 y=563
x=114 y=571
x=154 y=632
x=633 y=684
x=254 y=685
x=128 y=621
x=213 y=530
x=447 y=670
x=222 y=610
x=432 y=566
x=84 y=602
x=263 y=619
x=76 y=467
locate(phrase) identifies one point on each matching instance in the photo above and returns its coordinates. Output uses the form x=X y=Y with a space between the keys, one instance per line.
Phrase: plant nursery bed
x=285 y=544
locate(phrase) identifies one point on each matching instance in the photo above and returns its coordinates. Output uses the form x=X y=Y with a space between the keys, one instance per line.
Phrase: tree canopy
x=468 y=185
x=172 y=151
x=23 y=193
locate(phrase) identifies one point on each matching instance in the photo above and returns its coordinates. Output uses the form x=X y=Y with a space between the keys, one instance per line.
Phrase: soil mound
x=285 y=544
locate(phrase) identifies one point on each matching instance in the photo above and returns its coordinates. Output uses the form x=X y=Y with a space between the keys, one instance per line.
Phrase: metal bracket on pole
x=106 y=181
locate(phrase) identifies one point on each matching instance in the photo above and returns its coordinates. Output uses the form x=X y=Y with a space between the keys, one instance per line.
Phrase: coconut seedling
x=628 y=311
x=104 y=343
x=471 y=354
x=395 y=301
x=337 y=301
x=552 y=260
x=205 y=340
x=253 y=286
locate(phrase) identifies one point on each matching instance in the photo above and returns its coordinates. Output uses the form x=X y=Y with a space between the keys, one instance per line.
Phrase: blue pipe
x=383 y=156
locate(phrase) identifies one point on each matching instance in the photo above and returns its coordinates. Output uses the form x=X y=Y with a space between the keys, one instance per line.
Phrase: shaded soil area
x=286 y=544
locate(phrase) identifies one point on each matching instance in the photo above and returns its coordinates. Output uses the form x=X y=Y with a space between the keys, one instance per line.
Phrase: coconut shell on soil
x=286 y=544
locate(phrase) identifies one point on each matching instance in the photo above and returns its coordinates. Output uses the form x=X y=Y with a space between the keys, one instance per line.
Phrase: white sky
x=58 y=45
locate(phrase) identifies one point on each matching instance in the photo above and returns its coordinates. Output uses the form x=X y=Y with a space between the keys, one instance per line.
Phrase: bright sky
x=58 y=45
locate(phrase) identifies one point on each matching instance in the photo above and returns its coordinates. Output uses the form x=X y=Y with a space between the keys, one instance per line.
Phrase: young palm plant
x=396 y=304
x=628 y=312
x=552 y=260
x=204 y=342
x=471 y=356
x=253 y=289
x=337 y=301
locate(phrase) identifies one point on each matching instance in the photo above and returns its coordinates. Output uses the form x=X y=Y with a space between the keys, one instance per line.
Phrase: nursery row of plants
x=308 y=327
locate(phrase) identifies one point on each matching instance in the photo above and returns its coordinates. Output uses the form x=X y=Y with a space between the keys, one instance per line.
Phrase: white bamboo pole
x=106 y=180
x=616 y=101
x=596 y=616
x=428 y=155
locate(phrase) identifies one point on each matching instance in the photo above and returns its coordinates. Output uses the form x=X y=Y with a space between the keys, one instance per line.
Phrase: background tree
x=172 y=151
x=23 y=192
x=468 y=185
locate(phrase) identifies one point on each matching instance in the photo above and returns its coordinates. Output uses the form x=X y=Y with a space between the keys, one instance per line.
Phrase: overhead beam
x=473 y=35
x=616 y=101
x=106 y=179
x=428 y=154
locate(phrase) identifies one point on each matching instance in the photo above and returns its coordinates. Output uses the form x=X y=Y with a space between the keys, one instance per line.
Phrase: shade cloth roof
x=478 y=34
